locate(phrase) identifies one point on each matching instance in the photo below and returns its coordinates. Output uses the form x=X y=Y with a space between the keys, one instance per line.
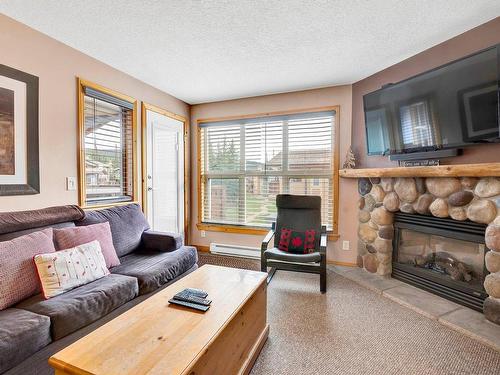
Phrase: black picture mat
x=32 y=148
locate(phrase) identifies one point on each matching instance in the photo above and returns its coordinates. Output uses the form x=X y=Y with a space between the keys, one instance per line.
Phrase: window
x=245 y=163
x=107 y=140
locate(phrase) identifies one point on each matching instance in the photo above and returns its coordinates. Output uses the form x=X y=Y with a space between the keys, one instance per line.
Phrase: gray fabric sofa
x=34 y=329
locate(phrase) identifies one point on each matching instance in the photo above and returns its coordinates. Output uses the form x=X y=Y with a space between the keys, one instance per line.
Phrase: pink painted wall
x=57 y=67
x=462 y=45
x=340 y=95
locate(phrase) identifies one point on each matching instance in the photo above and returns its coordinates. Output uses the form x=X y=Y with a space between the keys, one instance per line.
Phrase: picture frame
x=19 y=147
x=476 y=127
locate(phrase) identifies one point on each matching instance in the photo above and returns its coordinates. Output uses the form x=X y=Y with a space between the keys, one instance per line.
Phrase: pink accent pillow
x=66 y=238
x=18 y=276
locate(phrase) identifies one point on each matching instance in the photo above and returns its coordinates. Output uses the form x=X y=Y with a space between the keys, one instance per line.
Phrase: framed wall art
x=19 y=160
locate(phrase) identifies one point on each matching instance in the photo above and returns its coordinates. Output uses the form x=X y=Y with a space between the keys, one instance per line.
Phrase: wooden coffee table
x=157 y=338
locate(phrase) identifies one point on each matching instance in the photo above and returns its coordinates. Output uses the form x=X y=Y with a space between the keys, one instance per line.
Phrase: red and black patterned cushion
x=297 y=242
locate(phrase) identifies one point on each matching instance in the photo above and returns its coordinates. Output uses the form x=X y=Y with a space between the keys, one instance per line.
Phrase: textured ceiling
x=202 y=51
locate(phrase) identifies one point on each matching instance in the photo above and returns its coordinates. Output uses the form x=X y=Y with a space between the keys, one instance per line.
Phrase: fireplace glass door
x=441 y=256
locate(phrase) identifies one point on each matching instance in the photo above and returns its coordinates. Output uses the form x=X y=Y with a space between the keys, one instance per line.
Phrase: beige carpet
x=351 y=330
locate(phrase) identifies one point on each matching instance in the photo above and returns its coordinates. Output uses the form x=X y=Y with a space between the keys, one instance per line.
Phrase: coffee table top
x=157 y=338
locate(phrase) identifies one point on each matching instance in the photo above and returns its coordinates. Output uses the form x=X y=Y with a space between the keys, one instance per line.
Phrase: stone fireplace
x=460 y=263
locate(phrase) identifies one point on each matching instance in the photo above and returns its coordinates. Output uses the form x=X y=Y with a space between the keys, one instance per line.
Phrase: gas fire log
x=442 y=261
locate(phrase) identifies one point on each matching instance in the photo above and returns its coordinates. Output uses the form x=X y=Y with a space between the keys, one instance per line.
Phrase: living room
x=201 y=144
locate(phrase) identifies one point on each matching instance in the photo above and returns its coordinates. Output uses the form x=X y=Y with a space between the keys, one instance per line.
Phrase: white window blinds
x=108 y=149
x=246 y=163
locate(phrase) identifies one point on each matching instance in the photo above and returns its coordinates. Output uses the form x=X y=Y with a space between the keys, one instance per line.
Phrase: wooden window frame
x=149 y=107
x=241 y=229
x=81 y=84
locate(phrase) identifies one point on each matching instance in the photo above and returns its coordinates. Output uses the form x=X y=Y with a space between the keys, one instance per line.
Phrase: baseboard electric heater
x=235 y=250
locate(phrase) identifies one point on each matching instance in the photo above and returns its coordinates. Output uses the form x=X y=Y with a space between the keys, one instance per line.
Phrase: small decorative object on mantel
x=350 y=159
x=19 y=169
x=419 y=163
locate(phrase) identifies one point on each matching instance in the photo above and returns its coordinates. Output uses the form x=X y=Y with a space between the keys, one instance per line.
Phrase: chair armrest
x=323 y=240
x=161 y=241
x=267 y=239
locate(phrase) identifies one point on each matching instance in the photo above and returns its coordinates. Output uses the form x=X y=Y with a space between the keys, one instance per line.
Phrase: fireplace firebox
x=441 y=255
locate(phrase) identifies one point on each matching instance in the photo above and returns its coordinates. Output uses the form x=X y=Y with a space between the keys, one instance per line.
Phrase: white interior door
x=165 y=173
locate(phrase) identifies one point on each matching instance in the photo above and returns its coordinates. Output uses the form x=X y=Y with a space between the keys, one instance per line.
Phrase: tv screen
x=451 y=106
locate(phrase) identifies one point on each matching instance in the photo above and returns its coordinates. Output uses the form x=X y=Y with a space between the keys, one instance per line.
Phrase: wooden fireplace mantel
x=458 y=170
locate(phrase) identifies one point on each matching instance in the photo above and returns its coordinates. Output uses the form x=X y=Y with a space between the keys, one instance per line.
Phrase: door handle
x=150 y=188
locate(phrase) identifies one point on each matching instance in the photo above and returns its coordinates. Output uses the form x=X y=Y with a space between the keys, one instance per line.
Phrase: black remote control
x=189 y=304
x=186 y=296
x=196 y=292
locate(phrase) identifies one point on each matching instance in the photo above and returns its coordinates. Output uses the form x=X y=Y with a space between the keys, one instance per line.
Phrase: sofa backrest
x=19 y=223
x=127 y=225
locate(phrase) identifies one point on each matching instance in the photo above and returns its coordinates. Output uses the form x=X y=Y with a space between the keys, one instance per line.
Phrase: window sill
x=245 y=230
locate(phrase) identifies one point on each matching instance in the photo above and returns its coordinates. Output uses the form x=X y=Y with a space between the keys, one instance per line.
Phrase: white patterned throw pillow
x=67 y=269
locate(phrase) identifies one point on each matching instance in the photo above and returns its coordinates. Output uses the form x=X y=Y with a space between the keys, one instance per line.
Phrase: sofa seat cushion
x=79 y=307
x=153 y=268
x=22 y=333
x=276 y=254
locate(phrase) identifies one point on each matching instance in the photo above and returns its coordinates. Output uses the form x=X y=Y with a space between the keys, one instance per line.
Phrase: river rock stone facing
x=457 y=213
x=492 y=236
x=476 y=199
x=491 y=309
x=439 y=208
x=361 y=203
x=492 y=284
x=384 y=258
x=460 y=198
x=442 y=187
x=382 y=246
x=386 y=232
x=363 y=216
x=492 y=259
x=391 y=202
x=387 y=184
x=406 y=189
x=423 y=204
x=420 y=184
x=370 y=262
x=469 y=182
x=482 y=211
x=407 y=208
x=377 y=193
x=488 y=187
x=366 y=233
x=364 y=186
x=369 y=202
x=381 y=216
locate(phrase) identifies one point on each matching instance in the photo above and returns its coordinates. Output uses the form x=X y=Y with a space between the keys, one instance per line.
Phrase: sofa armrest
x=161 y=241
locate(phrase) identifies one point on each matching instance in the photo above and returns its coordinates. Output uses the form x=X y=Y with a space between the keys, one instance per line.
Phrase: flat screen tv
x=452 y=106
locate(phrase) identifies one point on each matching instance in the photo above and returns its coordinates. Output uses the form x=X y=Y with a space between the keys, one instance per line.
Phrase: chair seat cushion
x=276 y=254
x=79 y=307
x=153 y=268
x=22 y=333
